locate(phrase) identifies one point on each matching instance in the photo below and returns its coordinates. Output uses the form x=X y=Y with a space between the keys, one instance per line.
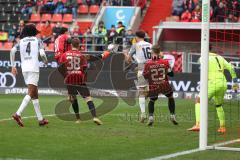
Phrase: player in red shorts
x=156 y=72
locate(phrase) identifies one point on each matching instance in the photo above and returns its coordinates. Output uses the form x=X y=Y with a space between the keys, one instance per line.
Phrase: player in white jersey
x=140 y=53
x=30 y=47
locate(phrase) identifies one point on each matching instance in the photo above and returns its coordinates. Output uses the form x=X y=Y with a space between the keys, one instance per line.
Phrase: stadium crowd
x=221 y=10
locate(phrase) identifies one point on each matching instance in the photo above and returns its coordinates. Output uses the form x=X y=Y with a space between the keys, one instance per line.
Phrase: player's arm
x=42 y=52
x=169 y=70
x=228 y=66
x=146 y=71
x=12 y=59
x=111 y=49
x=129 y=55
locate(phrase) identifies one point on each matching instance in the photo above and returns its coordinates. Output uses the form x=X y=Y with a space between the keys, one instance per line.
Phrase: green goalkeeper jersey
x=217 y=65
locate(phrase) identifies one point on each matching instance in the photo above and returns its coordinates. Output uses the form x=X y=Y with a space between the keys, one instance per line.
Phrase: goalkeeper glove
x=235 y=84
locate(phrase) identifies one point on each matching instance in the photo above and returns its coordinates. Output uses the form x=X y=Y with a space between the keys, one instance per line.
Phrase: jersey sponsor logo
x=7 y=79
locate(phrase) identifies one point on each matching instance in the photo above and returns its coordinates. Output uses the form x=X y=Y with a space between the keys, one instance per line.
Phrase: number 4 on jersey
x=28 y=49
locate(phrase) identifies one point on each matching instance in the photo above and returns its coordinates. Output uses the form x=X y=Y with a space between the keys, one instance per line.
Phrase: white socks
x=23 y=105
x=37 y=109
x=142 y=103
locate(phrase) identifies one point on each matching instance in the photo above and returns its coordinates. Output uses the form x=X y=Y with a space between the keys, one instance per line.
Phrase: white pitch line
x=175 y=154
x=214 y=146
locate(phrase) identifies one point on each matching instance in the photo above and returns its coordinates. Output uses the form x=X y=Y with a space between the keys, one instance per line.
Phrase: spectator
x=48 y=7
x=129 y=39
x=40 y=4
x=100 y=33
x=189 y=4
x=126 y=3
x=46 y=31
x=196 y=14
x=57 y=30
x=28 y=7
x=142 y=5
x=178 y=7
x=71 y=7
x=186 y=16
x=121 y=33
x=59 y=7
x=112 y=34
x=88 y=39
x=220 y=13
x=20 y=28
x=12 y=32
x=116 y=2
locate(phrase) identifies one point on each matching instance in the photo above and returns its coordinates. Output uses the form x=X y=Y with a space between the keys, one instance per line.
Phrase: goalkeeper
x=217 y=86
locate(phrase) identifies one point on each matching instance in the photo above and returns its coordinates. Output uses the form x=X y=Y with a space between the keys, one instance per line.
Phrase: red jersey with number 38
x=75 y=65
x=155 y=71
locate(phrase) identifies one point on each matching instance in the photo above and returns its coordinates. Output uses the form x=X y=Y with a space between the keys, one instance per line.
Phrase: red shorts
x=164 y=88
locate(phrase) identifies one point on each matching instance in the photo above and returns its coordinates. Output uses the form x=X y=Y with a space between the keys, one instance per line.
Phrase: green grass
x=121 y=136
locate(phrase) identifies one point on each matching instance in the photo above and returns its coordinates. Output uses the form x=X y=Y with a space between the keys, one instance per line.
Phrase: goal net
x=221 y=36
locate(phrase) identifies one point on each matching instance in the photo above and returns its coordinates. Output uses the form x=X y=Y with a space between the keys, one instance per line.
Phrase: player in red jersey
x=156 y=72
x=75 y=65
x=62 y=44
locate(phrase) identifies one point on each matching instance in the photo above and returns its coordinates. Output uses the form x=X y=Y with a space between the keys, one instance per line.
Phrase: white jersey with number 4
x=29 y=51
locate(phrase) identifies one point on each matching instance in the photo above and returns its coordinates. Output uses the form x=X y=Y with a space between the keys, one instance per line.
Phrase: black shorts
x=78 y=89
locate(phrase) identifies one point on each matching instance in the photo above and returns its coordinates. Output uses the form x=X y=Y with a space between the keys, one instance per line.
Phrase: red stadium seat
x=35 y=18
x=46 y=17
x=1 y=46
x=57 y=18
x=7 y=45
x=67 y=18
x=83 y=9
x=65 y=25
x=94 y=9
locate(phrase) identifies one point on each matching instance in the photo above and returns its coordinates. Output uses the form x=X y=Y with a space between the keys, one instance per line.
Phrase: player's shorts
x=78 y=89
x=140 y=82
x=164 y=88
x=31 y=78
x=217 y=92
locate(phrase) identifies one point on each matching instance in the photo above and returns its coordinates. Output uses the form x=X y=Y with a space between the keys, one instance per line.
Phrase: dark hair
x=75 y=42
x=156 y=49
x=140 y=34
x=120 y=22
x=63 y=30
x=29 y=31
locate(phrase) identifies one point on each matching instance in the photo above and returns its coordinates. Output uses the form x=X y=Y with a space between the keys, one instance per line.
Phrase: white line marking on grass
x=176 y=154
x=216 y=146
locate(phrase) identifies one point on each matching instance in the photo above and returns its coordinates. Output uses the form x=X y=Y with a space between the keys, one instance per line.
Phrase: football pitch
x=120 y=137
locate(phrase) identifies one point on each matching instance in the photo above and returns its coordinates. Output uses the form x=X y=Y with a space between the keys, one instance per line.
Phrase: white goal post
x=204 y=75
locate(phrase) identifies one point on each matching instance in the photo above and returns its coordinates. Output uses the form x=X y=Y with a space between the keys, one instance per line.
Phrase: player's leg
x=196 y=127
x=171 y=107
x=25 y=101
x=85 y=93
x=142 y=101
x=218 y=100
x=33 y=79
x=72 y=96
x=142 y=87
x=151 y=109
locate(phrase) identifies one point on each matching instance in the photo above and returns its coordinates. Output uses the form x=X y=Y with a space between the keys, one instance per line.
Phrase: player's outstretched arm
x=43 y=56
x=12 y=59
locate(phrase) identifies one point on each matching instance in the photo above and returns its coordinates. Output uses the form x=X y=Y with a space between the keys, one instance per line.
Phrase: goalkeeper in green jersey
x=217 y=86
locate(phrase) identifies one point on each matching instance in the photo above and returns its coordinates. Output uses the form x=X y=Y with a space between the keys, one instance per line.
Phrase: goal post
x=204 y=75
